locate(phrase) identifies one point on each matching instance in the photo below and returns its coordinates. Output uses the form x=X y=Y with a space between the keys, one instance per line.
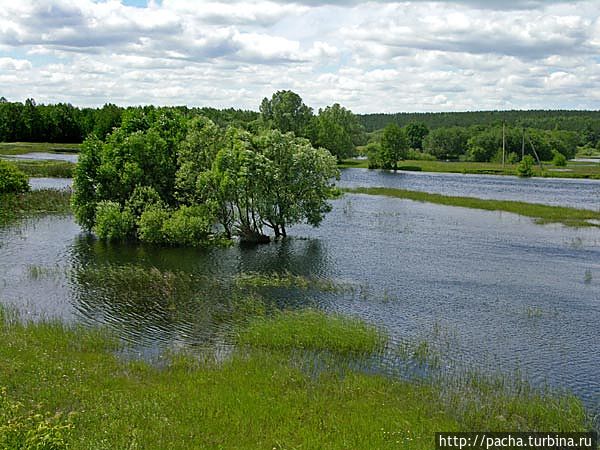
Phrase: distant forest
x=579 y=121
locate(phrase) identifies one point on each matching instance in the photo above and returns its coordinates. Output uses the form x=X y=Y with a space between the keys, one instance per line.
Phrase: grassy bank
x=65 y=385
x=540 y=213
x=19 y=148
x=13 y=206
x=573 y=169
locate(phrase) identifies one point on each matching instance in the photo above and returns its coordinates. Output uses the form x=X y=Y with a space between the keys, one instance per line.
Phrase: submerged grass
x=50 y=169
x=541 y=214
x=44 y=201
x=256 y=399
x=313 y=330
x=288 y=280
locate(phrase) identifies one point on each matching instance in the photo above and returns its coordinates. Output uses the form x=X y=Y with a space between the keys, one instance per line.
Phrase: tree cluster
x=165 y=178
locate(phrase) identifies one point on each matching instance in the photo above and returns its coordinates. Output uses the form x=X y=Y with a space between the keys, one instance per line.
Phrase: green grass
x=540 y=213
x=71 y=380
x=19 y=148
x=288 y=280
x=50 y=169
x=313 y=330
x=44 y=201
x=575 y=170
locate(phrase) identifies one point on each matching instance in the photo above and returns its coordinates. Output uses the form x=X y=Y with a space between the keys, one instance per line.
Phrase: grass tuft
x=44 y=201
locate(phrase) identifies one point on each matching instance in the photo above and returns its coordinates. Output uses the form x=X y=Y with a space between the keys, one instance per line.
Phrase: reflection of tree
x=177 y=294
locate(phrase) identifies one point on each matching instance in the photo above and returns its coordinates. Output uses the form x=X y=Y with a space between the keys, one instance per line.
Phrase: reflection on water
x=509 y=293
x=577 y=193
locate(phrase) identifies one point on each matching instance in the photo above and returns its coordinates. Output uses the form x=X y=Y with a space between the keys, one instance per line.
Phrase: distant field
x=572 y=170
x=19 y=148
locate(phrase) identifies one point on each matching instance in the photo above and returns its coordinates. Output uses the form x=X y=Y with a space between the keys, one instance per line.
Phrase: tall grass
x=50 y=169
x=19 y=148
x=541 y=214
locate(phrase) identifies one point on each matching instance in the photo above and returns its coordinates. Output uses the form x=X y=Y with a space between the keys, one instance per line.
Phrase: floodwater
x=46 y=156
x=492 y=290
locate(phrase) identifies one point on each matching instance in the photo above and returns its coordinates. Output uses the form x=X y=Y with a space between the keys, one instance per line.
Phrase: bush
x=12 y=179
x=559 y=160
x=417 y=155
x=150 y=225
x=113 y=223
x=525 y=167
x=189 y=225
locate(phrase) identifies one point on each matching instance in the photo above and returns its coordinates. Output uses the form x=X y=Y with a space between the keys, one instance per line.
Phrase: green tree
x=394 y=146
x=12 y=179
x=446 y=143
x=416 y=132
x=338 y=130
x=287 y=112
x=525 y=167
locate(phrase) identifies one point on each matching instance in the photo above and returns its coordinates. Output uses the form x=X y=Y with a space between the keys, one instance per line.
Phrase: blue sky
x=380 y=56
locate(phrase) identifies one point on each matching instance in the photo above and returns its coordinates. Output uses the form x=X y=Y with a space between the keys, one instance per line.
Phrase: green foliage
x=30 y=430
x=12 y=180
x=416 y=132
x=446 y=143
x=525 y=167
x=113 y=223
x=394 y=146
x=286 y=112
x=338 y=130
x=559 y=160
x=188 y=226
x=150 y=225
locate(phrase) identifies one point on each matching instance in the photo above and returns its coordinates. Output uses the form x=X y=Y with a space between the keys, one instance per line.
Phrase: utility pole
x=503 y=145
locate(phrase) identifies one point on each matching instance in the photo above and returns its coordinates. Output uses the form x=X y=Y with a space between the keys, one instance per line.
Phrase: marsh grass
x=19 y=148
x=541 y=214
x=49 y=169
x=258 y=398
x=313 y=330
x=44 y=201
x=289 y=280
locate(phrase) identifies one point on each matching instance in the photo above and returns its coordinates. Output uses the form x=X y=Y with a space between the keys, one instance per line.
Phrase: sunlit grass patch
x=310 y=329
x=19 y=148
x=50 y=169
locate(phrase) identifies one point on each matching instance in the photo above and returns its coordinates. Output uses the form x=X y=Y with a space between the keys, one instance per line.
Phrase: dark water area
x=576 y=193
x=491 y=290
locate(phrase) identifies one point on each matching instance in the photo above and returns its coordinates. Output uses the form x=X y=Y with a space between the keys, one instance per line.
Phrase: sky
x=379 y=56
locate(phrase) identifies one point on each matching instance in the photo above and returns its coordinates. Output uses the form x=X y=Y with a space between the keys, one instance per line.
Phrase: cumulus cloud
x=375 y=56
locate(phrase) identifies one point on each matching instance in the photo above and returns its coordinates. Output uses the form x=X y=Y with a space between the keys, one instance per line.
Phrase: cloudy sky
x=379 y=56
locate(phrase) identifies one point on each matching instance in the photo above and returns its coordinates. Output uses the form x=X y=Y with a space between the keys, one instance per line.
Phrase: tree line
x=586 y=123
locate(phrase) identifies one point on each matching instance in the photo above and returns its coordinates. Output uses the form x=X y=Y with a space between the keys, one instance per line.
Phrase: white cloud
x=376 y=56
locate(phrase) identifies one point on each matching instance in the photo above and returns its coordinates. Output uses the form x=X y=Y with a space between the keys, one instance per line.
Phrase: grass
x=287 y=280
x=575 y=169
x=19 y=148
x=541 y=214
x=85 y=397
x=44 y=201
x=49 y=169
x=313 y=330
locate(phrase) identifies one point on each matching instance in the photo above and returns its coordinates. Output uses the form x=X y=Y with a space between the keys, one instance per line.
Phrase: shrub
x=12 y=179
x=113 y=223
x=189 y=225
x=141 y=198
x=559 y=160
x=150 y=225
x=525 y=167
